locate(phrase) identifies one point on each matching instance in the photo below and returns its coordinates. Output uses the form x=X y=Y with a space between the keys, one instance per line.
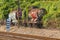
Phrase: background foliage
x=52 y=7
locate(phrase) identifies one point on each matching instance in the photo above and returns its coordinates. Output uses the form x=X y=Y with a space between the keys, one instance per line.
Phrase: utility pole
x=18 y=9
x=19 y=13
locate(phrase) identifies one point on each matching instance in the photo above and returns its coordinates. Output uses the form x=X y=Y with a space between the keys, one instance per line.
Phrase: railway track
x=15 y=36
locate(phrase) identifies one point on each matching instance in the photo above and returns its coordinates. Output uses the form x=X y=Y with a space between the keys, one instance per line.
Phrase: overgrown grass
x=52 y=7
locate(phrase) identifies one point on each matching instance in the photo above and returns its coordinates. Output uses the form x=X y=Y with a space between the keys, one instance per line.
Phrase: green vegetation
x=52 y=7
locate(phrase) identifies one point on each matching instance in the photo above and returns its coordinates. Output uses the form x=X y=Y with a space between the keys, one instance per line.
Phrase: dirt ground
x=33 y=31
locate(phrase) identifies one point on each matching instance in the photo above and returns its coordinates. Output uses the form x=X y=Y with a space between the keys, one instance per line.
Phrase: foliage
x=52 y=7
